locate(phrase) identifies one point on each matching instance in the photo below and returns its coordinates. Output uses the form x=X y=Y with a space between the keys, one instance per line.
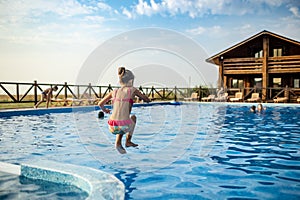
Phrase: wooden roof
x=215 y=59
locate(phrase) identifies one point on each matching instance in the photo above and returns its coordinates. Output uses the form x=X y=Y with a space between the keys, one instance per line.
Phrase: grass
x=7 y=102
x=18 y=105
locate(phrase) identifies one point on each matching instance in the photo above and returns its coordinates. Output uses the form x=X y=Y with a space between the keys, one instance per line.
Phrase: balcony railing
x=282 y=64
x=242 y=65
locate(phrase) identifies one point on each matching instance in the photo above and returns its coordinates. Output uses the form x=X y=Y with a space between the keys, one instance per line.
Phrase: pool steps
x=98 y=184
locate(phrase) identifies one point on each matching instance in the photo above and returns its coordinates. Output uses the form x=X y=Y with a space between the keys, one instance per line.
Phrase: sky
x=84 y=41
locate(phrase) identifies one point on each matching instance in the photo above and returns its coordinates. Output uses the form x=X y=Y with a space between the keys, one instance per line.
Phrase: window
x=277 y=52
x=276 y=82
x=296 y=83
x=258 y=82
x=259 y=54
x=241 y=83
x=236 y=83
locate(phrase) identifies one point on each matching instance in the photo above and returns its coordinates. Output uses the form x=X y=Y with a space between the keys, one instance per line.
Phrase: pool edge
x=42 y=111
x=10 y=168
x=98 y=184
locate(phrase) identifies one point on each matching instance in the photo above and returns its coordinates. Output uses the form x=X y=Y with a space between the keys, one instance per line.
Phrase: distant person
x=260 y=107
x=253 y=109
x=220 y=93
x=46 y=95
x=120 y=122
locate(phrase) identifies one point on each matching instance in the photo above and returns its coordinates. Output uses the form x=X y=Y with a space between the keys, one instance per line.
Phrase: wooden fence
x=13 y=92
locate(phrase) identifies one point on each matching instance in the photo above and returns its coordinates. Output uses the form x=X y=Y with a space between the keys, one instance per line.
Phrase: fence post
x=109 y=88
x=175 y=97
x=152 y=91
x=35 y=92
x=18 y=93
x=90 y=90
x=200 y=93
x=78 y=92
x=66 y=90
x=100 y=92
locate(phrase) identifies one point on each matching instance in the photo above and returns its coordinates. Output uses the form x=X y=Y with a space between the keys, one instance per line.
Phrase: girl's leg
x=130 y=133
x=48 y=99
x=118 y=144
x=41 y=101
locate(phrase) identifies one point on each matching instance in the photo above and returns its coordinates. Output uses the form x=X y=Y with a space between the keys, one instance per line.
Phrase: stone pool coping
x=98 y=184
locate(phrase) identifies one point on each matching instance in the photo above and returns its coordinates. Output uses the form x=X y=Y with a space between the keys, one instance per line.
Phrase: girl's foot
x=131 y=144
x=120 y=149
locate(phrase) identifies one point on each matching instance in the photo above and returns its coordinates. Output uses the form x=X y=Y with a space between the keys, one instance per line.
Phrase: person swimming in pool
x=253 y=109
x=46 y=94
x=101 y=115
x=260 y=107
x=120 y=122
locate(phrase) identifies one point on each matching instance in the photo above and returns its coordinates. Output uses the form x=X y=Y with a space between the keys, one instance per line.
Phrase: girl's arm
x=142 y=96
x=104 y=101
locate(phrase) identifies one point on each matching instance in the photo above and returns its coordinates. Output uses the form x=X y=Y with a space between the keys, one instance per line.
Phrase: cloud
x=295 y=11
x=199 y=8
x=53 y=35
x=51 y=22
x=71 y=8
x=143 y=8
x=197 y=31
x=94 y=18
x=18 y=11
x=215 y=30
x=127 y=13
x=103 y=6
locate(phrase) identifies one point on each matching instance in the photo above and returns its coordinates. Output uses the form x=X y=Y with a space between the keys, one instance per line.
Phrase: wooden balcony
x=282 y=64
x=242 y=65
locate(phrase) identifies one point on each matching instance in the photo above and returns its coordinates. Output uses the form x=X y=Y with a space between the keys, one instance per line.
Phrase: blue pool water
x=19 y=187
x=191 y=151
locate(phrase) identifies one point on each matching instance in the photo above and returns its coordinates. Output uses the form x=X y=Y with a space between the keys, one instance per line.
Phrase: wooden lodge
x=266 y=63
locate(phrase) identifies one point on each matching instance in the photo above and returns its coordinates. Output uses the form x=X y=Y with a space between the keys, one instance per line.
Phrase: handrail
x=251 y=64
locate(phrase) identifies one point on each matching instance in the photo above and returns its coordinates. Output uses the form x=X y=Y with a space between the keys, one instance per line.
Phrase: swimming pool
x=188 y=151
x=20 y=187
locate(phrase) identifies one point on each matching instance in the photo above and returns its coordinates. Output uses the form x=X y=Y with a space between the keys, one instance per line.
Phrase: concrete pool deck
x=98 y=184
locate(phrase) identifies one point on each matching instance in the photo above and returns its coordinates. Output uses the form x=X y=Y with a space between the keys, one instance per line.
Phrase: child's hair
x=55 y=87
x=101 y=115
x=253 y=108
x=126 y=76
